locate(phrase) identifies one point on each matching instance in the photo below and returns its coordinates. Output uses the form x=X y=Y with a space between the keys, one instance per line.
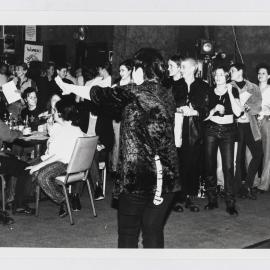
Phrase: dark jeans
x=222 y=136
x=138 y=213
x=245 y=138
x=10 y=165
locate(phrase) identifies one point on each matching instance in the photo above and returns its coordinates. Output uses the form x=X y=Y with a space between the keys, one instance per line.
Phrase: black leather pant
x=222 y=136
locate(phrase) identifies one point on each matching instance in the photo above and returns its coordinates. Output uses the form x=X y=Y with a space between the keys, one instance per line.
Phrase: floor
x=203 y=230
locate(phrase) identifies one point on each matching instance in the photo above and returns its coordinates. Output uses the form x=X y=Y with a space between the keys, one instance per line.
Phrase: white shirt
x=62 y=141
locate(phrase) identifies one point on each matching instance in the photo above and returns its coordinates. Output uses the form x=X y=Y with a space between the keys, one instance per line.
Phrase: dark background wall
x=60 y=42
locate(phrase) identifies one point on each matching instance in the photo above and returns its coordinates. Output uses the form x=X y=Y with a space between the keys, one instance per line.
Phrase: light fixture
x=207 y=47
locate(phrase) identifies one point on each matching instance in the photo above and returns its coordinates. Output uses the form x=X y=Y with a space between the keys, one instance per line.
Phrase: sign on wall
x=30 y=33
x=33 y=53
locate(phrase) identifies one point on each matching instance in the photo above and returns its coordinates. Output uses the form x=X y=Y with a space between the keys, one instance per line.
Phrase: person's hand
x=33 y=168
x=100 y=147
x=185 y=110
x=60 y=83
x=220 y=108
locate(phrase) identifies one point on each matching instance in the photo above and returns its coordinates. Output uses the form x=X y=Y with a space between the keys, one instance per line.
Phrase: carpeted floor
x=214 y=229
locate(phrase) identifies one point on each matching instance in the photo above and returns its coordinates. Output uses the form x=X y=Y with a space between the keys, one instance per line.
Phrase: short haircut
x=129 y=64
x=264 y=66
x=68 y=110
x=23 y=65
x=224 y=68
x=177 y=59
x=50 y=64
x=105 y=65
x=239 y=66
x=60 y=66
x=28 y=91
x=151 y=62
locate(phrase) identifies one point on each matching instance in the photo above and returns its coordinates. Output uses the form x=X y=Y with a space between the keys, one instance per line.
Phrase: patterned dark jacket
x=146 y=130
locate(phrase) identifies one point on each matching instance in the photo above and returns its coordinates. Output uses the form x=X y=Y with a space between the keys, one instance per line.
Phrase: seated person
x=30 y=114
x=10 y=165
x=63 y=136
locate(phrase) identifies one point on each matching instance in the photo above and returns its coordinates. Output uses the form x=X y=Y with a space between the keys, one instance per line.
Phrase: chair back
x=82 y=155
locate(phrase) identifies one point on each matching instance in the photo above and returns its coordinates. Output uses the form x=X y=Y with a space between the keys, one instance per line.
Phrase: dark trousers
x=255 y=147
x=222 y=136
x=138 y=213
x=10 y=165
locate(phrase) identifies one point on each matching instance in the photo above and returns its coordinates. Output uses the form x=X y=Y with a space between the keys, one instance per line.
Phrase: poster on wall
x=30 y=33
x=33 y=53
x=9 y=44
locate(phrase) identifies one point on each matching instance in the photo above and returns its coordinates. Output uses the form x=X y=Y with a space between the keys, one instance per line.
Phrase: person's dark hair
x=27 y=92
x=224 y=68
x=129 y=64
x=177 y=59
x=60 y=66
x=68 y=110
x=50 y=64
x=105 y=65
x=239 y=66
x=151 y=62
x=23 y=65
x=264 y=66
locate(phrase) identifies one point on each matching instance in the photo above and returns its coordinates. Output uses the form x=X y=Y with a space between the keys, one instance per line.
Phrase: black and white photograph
x=121 y=135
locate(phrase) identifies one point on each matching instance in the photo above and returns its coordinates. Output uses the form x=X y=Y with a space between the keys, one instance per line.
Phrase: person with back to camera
x=147 y=168
x=54 y=162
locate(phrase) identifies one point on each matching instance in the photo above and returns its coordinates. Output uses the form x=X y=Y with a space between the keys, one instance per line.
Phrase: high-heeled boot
x=212 y=200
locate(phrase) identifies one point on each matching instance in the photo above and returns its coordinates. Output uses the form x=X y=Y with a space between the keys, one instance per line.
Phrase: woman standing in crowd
x=125 y=71
x=147 y=165
x=220 y=132
x=60 y=146
x=191 y=100
x=263 y=72
x=248 y=130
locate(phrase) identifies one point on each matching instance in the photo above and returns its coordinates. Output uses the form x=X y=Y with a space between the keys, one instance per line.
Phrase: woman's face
x=173 y=68
x=220 y=77
x=54 y=99
x=263 y=75
x=124 y=72
x=19 y=71
x=32 y=99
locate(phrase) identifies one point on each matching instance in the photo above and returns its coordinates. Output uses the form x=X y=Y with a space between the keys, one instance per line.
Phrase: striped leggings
x=46 y=180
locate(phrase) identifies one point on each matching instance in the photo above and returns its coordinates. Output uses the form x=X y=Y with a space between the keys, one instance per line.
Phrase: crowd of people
x=224 y=136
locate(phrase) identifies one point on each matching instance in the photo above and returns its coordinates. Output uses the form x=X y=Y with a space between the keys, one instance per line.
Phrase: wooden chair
x=77 y=170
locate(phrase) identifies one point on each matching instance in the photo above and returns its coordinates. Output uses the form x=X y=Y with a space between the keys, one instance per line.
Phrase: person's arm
x=45 y=162
x=81 y=91
x=235 y=102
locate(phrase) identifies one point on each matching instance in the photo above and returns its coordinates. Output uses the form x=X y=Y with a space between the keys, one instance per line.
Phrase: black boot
x=212 y=200
x=191 y=205
x=230 y=207
x=178 y=207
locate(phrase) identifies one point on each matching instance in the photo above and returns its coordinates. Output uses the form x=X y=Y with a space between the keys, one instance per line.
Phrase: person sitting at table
x=30 y=114
x=12 y=166
x=60 y=146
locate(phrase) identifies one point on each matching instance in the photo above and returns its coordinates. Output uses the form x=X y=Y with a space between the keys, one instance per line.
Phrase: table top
x=35 y=137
